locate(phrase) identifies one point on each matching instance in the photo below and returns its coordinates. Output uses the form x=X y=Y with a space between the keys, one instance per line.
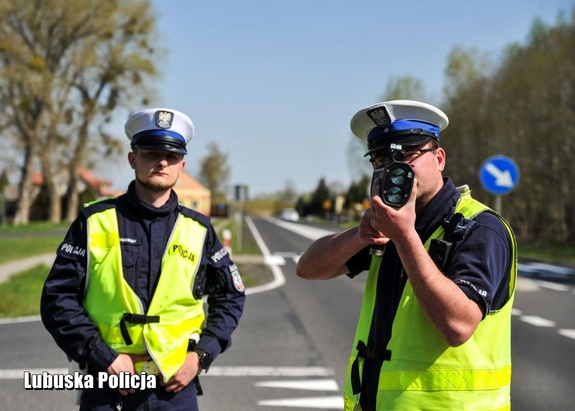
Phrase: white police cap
x=160 y=129
x=405 y=122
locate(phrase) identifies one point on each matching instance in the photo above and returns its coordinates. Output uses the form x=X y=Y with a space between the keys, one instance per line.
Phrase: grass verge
x=14 y=248
x=241 y=245
x=554 y=253
x=21 y=293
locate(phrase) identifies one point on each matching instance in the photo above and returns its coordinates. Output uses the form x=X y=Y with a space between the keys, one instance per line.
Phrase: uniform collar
x=148 y=209
x=440 y=207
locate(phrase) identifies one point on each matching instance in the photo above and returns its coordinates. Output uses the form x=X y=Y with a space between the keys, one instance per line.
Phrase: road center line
x=567 y=333
x=537 y=321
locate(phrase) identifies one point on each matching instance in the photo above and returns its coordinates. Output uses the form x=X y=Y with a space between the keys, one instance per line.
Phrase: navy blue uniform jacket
x=144 y=233
x=479 y=264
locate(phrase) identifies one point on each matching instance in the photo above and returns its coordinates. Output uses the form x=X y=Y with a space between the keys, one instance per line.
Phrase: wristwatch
x=205 y=358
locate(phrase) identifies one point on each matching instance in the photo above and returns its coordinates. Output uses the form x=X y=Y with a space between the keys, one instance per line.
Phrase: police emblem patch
x=380 y=116
x=164 y=119
x=237 y=278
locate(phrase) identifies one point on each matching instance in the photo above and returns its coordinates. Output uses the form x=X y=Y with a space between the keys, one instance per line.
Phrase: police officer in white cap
x=434 y=330
x=125 y=293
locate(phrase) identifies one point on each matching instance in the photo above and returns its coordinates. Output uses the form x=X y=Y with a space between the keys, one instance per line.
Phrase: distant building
x=191 y=192
x=100 y=188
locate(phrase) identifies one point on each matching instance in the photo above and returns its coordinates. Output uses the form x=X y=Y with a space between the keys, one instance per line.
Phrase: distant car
x=289 y=214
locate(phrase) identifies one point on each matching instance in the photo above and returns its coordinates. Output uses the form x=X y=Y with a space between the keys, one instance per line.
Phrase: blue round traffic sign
x=499 y=174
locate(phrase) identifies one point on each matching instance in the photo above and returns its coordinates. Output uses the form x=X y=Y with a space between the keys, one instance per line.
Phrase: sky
x=275 y=83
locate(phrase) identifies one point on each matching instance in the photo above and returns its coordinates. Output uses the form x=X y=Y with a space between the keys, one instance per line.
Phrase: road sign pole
x=499 y=175
x=241 y=194
x=497 y=207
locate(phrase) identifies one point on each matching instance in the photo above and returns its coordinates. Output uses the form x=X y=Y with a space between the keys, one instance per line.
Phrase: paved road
x=275 y=363
x=291 y=348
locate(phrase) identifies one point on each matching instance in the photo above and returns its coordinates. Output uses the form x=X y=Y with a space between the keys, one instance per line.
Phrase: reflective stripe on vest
x=109 y=297
x=426 y=373
x=437 y=380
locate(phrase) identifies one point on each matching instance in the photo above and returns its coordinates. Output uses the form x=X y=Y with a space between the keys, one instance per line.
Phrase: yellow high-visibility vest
x=424 y=372
x=174 y=313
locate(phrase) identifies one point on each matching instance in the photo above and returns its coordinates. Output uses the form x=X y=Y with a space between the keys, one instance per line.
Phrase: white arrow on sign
x=502 y=178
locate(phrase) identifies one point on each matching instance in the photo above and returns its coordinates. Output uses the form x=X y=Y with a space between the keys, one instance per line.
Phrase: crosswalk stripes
x=312 y=385
x=324 y=402
x=301 y=378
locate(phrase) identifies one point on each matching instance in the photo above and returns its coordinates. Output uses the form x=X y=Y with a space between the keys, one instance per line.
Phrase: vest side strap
x=372 y=354
x=135 y=319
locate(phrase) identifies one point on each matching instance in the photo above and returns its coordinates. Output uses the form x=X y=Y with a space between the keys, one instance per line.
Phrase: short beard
x=156 y=187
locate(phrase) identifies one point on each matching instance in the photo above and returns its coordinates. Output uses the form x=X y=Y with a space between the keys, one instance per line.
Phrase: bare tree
x=63 y=64
x=215 y=172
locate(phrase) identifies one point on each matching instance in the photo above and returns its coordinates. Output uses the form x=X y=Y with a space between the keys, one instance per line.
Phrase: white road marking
x=279 y=278
x=274 y=260
x=286 y=254
x=223 y=371
x=312 y=385
x=18 y=373
x=313 y=233
x=215 y=371
x=537 y=321
x=552 y=286
x=324 y=403
x=568 y=333
x=526 y=285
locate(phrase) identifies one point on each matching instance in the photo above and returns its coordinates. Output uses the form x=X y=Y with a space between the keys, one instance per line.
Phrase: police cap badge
x=404 y=122
x=160 y=129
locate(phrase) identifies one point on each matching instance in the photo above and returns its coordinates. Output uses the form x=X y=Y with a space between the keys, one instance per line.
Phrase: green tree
x=404 y=88
x=358 y=191
x=523 y=108
x=3 y=185
x=318 y=197
x=289 y=193
x=468 y=132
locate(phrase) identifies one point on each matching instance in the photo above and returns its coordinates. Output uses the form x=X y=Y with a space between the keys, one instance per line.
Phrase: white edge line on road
x=279 y=278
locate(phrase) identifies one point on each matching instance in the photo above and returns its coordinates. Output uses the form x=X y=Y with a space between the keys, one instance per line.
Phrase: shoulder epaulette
x=98 y=206
x=193 y=214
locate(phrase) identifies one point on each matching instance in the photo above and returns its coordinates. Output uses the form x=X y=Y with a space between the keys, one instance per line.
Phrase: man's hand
x=392 y=222
x=125 y=363
x=367 y=234
x=187 y=372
